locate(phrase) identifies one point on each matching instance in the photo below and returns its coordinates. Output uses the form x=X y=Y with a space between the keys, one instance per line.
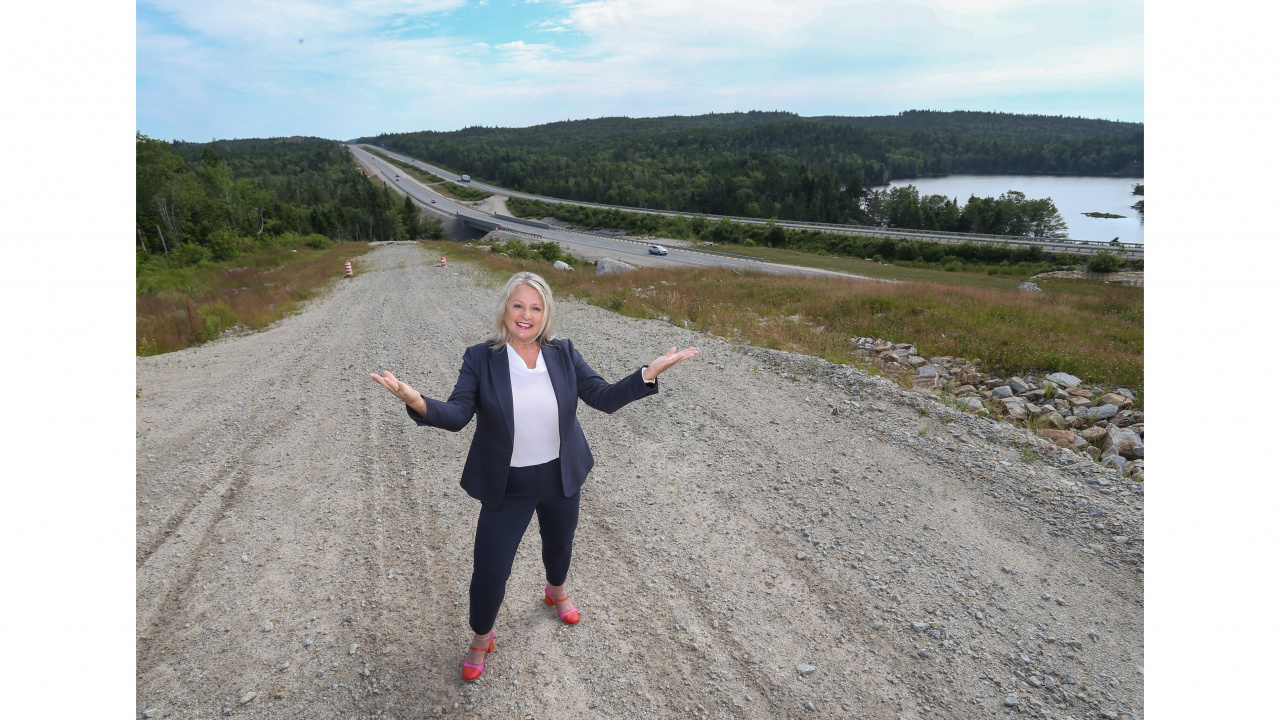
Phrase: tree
x=1105 y=262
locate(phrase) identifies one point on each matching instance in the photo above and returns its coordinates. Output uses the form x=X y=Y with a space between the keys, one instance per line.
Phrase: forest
x=219 y=200
x=776 y=164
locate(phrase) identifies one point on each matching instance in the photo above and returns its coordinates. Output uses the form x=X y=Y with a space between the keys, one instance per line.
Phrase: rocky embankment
x=1095 y=422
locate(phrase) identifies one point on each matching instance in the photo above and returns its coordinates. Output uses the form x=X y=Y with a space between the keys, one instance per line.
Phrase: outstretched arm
x=664 y=362
x=401 y=390
x=452 y=415
x=609 y=397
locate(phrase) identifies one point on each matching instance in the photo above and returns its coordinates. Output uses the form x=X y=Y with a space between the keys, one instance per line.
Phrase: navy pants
x=530 y=489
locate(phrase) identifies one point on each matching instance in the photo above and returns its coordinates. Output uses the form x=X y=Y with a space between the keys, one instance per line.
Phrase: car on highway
x=657 y=250
x=465 y=178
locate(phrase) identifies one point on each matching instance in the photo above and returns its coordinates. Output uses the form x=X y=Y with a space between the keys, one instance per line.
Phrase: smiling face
x=524 y=315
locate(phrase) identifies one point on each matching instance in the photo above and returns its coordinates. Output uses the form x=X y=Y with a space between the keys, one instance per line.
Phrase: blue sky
x=258 y=68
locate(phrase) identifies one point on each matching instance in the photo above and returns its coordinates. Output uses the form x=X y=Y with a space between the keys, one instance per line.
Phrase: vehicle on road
x=466 y=178
x=657 y=250
x=433 y=202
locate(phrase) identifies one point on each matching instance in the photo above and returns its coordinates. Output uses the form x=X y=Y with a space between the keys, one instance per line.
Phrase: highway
x=630 y=251
x=1081 y=247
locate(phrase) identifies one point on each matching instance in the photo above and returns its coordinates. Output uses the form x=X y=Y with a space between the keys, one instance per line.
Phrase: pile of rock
x=1097 y=422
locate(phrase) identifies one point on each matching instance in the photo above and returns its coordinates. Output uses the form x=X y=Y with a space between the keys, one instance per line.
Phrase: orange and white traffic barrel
x=443 y=262
x=350 y=272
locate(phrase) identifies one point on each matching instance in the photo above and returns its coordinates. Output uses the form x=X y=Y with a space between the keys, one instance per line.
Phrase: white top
x=537 y=414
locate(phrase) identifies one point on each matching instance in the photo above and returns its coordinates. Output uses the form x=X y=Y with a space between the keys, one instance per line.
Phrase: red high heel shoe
x=572 y=617
x=470 y=672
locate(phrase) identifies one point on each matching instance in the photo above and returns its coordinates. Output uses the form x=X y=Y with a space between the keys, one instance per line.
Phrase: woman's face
x=524 y=315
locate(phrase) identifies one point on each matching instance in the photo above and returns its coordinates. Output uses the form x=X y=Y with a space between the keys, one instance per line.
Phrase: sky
x=258 y=68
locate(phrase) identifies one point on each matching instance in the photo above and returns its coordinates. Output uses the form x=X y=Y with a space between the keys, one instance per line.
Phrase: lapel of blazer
x=500 y=374
x=558 y=371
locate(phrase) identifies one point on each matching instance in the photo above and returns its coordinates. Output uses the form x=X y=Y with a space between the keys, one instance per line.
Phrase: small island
x=1102 y=215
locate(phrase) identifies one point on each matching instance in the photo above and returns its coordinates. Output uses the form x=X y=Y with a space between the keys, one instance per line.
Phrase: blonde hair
x=535 y=281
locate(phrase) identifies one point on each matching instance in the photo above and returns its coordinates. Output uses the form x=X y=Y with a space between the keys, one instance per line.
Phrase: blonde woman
x=529 y=453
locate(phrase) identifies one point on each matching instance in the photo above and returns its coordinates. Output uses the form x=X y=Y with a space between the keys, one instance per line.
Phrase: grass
x=462 y=192
x=183 y=307
x=882 y=271
x=413 y=171
x=1091 y=330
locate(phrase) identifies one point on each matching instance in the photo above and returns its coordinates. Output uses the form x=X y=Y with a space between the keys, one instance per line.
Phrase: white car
x=657 y=250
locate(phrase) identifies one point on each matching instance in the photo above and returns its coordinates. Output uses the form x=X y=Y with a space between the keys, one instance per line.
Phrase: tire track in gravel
x=347 y=528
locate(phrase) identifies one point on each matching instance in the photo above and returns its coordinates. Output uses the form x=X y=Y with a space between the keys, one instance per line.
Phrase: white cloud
x=366 y=67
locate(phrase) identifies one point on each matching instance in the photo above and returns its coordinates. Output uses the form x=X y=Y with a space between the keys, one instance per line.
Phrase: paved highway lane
x=628 y=251
x=1128 y=250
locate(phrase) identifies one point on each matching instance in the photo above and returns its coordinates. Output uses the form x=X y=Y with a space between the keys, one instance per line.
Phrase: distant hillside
x=771 y=164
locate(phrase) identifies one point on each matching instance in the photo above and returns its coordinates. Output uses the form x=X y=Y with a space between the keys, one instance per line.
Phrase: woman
x=528 y=454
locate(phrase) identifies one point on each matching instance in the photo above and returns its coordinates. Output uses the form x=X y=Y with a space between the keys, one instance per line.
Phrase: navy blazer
x=484 y=390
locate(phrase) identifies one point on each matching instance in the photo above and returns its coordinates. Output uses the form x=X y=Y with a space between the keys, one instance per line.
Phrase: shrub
x=549 y=250
x=192 y=254
x=1105 y=262
x=225 y=246
x=318 y=242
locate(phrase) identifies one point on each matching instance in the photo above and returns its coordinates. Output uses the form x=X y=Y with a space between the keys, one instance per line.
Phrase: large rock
x=609 y=266
x=1030 y=287
x=1093 y=435
x=929 y=370
x=1119 y=401
x=1124 y=418
x=562 y=265
x=1055 y=420
x=970 y=404
x=1102 y=412
x=1114 y=461
x=1125 y=443
x=1018 y=385
x=1015 y=407
x=1064 y=380
x=916 y=361
x=1061 y=438
x=1002 y=392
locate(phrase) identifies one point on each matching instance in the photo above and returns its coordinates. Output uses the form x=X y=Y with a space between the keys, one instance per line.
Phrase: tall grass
x=1090 y=330
x=178 y=307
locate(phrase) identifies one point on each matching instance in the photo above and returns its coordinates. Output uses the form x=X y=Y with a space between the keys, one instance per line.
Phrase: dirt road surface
x=770 y=536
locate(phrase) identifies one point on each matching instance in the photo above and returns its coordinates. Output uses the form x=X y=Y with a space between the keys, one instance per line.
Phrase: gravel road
x=770 y=536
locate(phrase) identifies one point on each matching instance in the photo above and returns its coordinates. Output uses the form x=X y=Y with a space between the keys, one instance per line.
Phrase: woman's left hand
x=664 y=362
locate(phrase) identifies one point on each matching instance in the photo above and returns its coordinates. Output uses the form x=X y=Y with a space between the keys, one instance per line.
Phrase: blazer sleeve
x=599 y=393
x=456 y=412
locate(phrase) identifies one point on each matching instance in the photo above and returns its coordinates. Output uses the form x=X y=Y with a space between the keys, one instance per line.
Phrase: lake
x=1071 y=195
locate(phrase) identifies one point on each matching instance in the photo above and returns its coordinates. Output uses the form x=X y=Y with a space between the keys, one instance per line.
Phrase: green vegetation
x=462 y=192
x=959 y=256
x=182 y=303
x=232 y=197
x=1091 y=330
x=413 y=170
x=548 y=251
x=1138 y=189
x=1105 y=262
x=1101 y=215
x=236 y=234
x=1139 y=206
x=781 y=165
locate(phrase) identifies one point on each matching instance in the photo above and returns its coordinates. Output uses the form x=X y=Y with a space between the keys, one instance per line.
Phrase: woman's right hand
x=402 y=391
